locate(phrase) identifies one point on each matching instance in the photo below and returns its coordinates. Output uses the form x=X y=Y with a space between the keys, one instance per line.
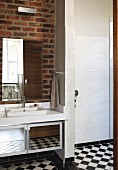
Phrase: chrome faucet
x=23 y=101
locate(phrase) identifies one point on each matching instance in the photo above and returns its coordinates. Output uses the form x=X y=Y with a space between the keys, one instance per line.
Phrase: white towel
x=54 y=92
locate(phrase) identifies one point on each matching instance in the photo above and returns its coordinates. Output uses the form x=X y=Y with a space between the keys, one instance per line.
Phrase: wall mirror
x=12 y=69
x=21 y=69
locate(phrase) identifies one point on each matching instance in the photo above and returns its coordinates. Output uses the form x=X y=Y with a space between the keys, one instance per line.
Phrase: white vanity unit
x=17 y=139
x=27 y=134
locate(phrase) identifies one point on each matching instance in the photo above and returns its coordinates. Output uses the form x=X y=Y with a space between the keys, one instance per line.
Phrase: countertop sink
x=27 y=111
x=24 y=109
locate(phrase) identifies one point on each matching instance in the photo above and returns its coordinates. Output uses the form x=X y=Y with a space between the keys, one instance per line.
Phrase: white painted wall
x=111 y=78
x=69 y=78
x=92 y=69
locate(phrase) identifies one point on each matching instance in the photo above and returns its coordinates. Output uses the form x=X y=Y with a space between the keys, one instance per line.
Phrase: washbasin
x=23 y=109
x=35 y=111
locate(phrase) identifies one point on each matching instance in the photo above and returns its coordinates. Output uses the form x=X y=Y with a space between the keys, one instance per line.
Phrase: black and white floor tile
x=43 y=164
x=45 y=142
x=94 y=157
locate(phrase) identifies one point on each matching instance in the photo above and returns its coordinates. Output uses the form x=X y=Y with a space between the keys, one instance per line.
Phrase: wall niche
x=33 y=80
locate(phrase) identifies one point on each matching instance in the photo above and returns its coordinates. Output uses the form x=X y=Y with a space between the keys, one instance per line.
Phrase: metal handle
x=76 y=93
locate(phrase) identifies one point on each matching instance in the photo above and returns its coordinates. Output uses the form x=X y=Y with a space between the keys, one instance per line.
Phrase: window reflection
x=12 y=68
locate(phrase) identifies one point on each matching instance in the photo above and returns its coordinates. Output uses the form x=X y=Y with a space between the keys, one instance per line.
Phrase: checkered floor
x=30 y=165
x=94 y=157
x=46 y=142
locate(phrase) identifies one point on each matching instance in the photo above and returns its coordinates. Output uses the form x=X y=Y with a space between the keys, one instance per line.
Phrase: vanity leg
x=64 y=163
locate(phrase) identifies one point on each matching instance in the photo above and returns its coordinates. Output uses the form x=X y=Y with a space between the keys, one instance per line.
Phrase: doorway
x=93 y=122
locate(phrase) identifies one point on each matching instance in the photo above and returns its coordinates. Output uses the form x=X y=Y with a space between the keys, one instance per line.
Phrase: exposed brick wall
x=40 y=26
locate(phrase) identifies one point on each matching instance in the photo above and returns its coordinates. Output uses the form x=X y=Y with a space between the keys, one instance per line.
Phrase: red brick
x=46 y=51
x=43 y=10
x=52 y=51
x=27 y=18
x=5 y=22
x=13 y=28
x=35 y=34
x=6 y=11
x=9 y=6
x=22 y=2
x=20 y=23
x=7 y=1
x=49 y=35
x=34 y=24
x=52 y=41
x=12 y=17
x=52 y=30
x=52 y=61
x=46 y=1
x=2 y=27
x=45 y=81
x=45 y=91
x=35 y=4
x=48 y=56
x=2 y=16
x=2 y=5
x=45 y=40
x=45 y=61
x=20 y=34
x=46 y=97
x=45 y=71
x=48 y=25
x=5 y=33
x=40 y=20
x=28 y=29
x=47 y=85
x=38 y=14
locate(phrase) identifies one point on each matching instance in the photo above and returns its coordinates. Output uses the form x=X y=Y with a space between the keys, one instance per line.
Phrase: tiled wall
x=92 y=81
x=39 y=26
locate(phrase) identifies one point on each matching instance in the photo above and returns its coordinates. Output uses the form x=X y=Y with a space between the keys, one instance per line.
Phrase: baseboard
x=22 y=157
x=94 y=143
x=71 y=159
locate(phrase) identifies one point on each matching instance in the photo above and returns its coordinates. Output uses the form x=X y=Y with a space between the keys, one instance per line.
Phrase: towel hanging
x=54 y=92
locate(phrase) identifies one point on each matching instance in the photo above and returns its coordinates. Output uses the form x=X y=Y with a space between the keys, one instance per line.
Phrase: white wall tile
x=92 y=53
x=70 y=79
x=70 y=37
x=92 y=82
x=92 y=133
x=70 y=59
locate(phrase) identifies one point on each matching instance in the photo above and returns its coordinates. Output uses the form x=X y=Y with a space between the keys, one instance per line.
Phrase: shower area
x=94 y=83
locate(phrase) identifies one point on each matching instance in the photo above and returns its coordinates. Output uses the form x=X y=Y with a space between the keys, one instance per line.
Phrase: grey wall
x=60 y=47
